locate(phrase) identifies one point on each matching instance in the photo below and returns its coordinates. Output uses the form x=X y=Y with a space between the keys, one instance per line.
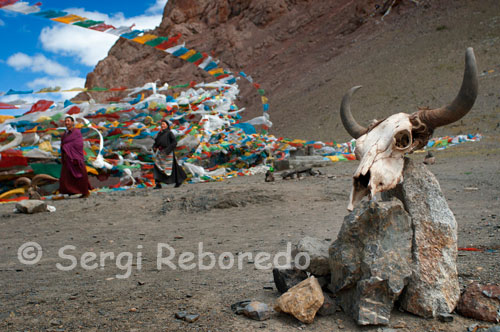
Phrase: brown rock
x=302 y=300
x=481 y=302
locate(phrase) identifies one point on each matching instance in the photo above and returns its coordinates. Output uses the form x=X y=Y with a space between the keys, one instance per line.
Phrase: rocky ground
x=239 y=215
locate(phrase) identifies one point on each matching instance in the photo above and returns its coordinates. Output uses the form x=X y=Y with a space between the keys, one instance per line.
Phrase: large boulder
x=433 y=287
x=371 y=261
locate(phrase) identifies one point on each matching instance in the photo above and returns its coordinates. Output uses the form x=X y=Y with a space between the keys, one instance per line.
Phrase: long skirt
x=167 y=170
x=68 y=184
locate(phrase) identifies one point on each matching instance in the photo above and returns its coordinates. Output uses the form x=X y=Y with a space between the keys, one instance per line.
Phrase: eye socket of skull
x=402 y=140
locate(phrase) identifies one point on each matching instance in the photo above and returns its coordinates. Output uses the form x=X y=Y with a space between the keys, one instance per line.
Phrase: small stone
x=257 y=311
x=191 y=318
x=238 y=307
x=55 y=322
x=180 y=315
x=446 y=318
x=400 y=325
x=31 y=206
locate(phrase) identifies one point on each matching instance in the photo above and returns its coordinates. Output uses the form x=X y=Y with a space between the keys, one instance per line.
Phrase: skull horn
x=22 y=181
x=42 y=177
x=463 y=101
x=353 y=128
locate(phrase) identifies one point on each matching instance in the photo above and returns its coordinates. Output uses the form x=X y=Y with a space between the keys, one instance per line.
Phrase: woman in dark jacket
x=166 y=169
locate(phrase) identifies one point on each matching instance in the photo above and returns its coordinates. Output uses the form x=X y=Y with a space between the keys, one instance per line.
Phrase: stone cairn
x=403 y=248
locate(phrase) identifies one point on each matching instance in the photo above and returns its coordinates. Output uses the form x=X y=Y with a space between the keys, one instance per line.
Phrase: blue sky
x=38 y=53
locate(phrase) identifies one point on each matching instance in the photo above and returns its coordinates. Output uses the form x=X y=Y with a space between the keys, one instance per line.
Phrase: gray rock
x=31 y=206
x=329 y=306
x=371 y=261
x=284 y=279
x=433 y=287
x=317 y=250
x=191 y=318
x=257 y=311
x=252 y=309
x=281 y=165
x=446 y=318
x=181 y=315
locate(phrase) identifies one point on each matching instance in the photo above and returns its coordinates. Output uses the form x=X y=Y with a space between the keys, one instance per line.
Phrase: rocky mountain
x=306 y=54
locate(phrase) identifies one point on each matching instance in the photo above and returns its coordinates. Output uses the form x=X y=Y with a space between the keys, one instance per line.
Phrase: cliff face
x=276 y=42
x=306 y=54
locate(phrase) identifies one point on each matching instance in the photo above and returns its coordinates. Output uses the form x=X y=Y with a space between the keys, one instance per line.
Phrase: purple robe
x=74 y=179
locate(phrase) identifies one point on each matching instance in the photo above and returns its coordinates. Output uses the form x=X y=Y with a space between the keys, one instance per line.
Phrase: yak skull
x=380 y=148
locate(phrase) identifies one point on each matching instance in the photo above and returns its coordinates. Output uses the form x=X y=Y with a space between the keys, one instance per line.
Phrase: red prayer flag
x=4 y=106
x=7 y=2
x=74 y=110
x=40 y=106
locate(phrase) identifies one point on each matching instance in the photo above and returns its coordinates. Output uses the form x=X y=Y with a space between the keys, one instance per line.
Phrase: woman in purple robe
x=74 y=179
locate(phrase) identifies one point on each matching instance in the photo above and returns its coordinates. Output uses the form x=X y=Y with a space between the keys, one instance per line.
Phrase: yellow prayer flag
x=75 y=89
x=333 y=158
x=188 y=54
x=91 y=170
x=145 y=38
x=69 y=19
x=264 y=100
x=216 y=71
x=5 y=117
x=45 y=146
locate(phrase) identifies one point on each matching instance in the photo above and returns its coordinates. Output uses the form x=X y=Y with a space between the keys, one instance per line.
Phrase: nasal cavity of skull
x=402 y=140
x=364 y=180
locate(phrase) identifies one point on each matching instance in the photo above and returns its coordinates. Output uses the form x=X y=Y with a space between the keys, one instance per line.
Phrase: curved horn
x=353 y=128
x=22 y=180
x=41 y=177
x=462 y=103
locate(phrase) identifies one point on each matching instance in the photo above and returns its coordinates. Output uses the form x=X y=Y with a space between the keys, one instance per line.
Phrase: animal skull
x=380 y=148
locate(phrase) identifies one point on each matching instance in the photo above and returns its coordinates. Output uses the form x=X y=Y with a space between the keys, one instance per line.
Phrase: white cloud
x=88 y=46
x=64 y=82
x=157 y=7
x=37 y=63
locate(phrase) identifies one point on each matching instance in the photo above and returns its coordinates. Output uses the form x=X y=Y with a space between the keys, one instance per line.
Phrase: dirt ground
x=235 y=216
x=406 y=67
